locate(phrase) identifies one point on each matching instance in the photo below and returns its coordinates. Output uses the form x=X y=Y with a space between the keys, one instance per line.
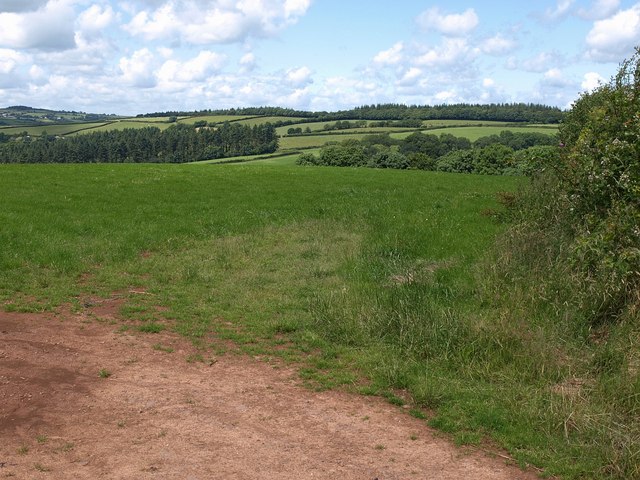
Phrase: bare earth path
x=159 y=417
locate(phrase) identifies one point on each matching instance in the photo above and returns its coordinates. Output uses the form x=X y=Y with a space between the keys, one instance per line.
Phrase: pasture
x=363 y=278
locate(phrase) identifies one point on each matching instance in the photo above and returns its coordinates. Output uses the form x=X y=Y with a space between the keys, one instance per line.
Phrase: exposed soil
x=159 y=416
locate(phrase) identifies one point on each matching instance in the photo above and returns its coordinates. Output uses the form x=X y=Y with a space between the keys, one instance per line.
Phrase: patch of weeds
x=393 y=399
x=121 y=424
x=42 y=439
x=380 y=447
x=195 y=357
x=413 y=437
x=41 y=468
x=151 y=327
x=162 y=348
x=467 y=438
x=163 y=433
x=23 y=450
x=104 y=373
x=417 y=414
x=67 y=447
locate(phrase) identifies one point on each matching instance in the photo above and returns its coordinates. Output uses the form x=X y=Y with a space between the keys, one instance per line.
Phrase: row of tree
x=506 y=154
x=177 y=144
x=505 y=112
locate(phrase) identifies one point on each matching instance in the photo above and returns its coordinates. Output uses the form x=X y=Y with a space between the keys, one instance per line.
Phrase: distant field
x=122 y=124
x=52 y=129
x=260 y=120
x=214 y=118
x=473 y=133
x=147 y=119
x=309 y=141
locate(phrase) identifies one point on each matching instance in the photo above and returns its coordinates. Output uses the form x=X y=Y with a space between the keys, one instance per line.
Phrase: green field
x=474 y=133
x=314 y=141
x=129 y=123
x=214 y=118
x=54 y=128
x=363 y=278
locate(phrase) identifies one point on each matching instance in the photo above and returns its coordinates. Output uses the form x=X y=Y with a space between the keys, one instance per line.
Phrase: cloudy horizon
x=138 y=56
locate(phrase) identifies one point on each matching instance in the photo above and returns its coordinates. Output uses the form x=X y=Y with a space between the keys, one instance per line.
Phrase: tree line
x=177 y=144
x=510 y=153
x=504 y=112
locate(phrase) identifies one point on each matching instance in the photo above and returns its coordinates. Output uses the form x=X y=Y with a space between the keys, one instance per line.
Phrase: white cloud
x=299 y=76
x=95 y=18
x=541 y=62
x=10 y=59
x=48 y=28
x=216 y=21
x=452 y=51
x=592 y=80
x=248 y=61
x=391 y=56
x=138 y=70
x=198 y=69
x=454 y=25
x=497 y=45
x=555 y=78
x=599 y=9
x=488 y=83
x=561 y=10
x=410 y=77
x=613 y=38
x=21 y=5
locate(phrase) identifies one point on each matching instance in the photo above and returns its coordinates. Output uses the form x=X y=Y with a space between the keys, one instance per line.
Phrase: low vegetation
x=506 y=154
x=502 y=309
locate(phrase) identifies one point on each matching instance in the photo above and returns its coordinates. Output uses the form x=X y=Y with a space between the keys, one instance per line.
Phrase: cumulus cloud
x=497 y=45
x=138 y=70
x=197 y=69
x=248 y=62
x=391 y=56
x=561 y=10
x=216 y=21
x=452 y=51
x=454 y=25
x=613 y=38
x=95 y=19
x=48 y=28
x=542 y=62
x=21 y=5
x=599 y=10
x=591 y=81
x=10 y=59
x=555 y=78
x=299 y=76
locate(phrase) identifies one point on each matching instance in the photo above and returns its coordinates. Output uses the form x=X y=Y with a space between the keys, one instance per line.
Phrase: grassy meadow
x=366 y=279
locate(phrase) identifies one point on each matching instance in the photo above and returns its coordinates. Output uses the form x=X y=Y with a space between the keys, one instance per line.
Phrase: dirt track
x=159 y=416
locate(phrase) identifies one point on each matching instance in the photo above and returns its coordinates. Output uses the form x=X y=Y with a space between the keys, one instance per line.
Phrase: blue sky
x=138 y=56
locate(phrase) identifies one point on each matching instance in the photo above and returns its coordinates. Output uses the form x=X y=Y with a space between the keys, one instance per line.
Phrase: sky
x=140 y=56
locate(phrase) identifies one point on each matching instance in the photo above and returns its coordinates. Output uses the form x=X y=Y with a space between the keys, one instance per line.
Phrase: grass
x=364 y=278
x=474 y=133
x=54 y=129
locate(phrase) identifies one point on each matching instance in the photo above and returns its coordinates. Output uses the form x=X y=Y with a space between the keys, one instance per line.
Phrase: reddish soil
x=159 y=416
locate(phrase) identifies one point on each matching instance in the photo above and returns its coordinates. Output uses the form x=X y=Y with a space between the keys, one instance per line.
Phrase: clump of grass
x=162 y=348
x=151 y=327
x=104 y=373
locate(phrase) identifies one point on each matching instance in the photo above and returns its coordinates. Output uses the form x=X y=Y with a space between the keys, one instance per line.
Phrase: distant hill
x=23 y=115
